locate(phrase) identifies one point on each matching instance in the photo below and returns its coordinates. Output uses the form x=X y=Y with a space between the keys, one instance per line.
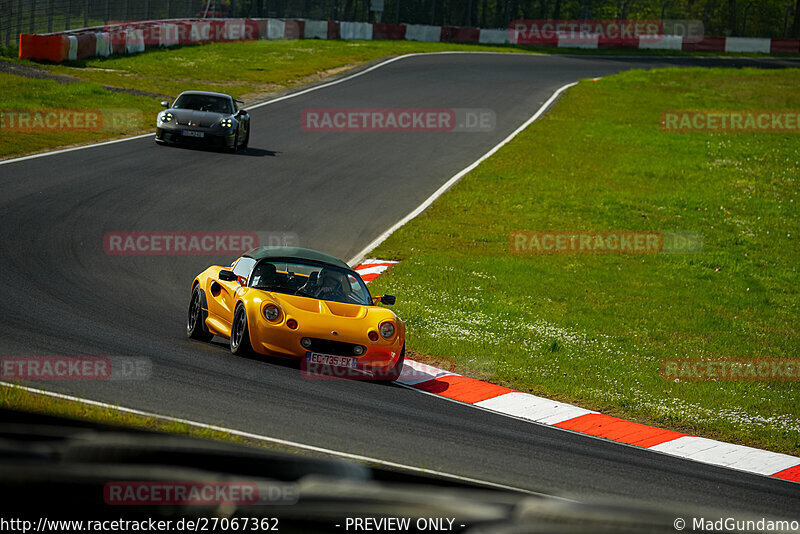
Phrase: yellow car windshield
x=324 y=282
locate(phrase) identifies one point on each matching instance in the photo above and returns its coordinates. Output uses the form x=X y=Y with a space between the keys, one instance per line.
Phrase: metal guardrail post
x=19 y=20
x=10 y=12
x=744 y=22
x=32 y=21
x=625 y=6
x=707 y=8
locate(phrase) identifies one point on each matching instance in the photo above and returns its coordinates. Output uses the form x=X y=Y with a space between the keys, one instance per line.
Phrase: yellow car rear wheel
x=195 y=327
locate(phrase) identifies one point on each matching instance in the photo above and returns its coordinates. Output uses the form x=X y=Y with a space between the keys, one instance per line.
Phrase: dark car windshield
x=214 y=104
x=309 y=280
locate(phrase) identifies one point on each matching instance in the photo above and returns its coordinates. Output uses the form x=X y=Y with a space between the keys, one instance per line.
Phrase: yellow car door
x=221 y=295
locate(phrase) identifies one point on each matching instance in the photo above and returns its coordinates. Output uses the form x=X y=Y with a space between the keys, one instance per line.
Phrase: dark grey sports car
x=204 y=118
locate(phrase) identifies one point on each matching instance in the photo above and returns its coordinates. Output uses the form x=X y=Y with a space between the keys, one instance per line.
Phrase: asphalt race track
x=63 y=295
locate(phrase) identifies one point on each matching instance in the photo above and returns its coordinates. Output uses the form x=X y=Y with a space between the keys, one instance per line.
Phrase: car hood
x=199 y=118
x=297 y=305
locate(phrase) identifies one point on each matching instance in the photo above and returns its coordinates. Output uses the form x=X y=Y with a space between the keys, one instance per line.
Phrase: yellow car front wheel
x=240 y=333
x=390 y=375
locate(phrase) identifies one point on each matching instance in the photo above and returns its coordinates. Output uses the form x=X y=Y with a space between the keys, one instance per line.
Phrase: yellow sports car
x=302 y=304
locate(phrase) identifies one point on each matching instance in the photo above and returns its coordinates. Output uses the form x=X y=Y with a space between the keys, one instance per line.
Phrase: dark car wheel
x=246 y=138
x=195 y=326
x=394 y=373
x=235 y=146
x=240 y=334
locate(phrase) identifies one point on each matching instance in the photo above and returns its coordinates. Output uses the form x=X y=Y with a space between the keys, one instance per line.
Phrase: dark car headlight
x=271 y=312
x=226 y=123
x=165 y=116
x=387 y=329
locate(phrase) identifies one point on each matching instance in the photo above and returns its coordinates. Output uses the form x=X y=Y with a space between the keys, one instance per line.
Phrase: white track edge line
x=350 y=77
x=73 y=149
x=452 y=181
x=277 y=441
x=255 y=106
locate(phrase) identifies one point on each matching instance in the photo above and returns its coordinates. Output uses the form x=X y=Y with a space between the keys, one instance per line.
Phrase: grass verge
x=26 y=95
x=247 y=70
x=243 y=69
x=593 y=329
x=15 y=398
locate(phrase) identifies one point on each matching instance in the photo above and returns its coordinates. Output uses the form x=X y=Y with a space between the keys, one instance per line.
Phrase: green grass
x=587 y=329
x=31 y=95
x=242 y=69
x=247 y=70
x=25 y=401
x=9 y=52
x=592 y=329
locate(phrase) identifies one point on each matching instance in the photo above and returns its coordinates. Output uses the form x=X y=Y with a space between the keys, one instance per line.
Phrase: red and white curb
x=372 y=269
x=566 y=416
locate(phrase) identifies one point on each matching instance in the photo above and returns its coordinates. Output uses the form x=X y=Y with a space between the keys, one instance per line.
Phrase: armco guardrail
x=134 y=37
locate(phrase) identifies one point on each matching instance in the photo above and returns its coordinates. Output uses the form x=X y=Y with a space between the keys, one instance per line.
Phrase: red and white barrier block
x=417 y=32
x=135 y=37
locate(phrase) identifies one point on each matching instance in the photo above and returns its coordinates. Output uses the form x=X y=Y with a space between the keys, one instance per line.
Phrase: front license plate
x=333 y=361
x=190 y=133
